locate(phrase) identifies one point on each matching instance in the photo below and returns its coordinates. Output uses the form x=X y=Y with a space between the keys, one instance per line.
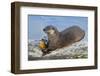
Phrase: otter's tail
x=83 y=32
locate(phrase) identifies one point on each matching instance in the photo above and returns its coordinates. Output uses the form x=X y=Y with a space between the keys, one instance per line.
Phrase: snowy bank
x=74 y=51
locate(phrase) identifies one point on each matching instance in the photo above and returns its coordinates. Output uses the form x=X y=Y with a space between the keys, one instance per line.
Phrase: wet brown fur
x=64 y=38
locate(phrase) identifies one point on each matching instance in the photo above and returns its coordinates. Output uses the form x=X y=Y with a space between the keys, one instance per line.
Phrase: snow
x=74 y=51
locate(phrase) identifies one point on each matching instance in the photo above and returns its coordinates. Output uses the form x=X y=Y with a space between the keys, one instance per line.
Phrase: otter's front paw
x=46 y=52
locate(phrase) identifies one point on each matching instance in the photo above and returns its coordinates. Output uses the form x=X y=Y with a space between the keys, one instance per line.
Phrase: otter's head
x=50 y=30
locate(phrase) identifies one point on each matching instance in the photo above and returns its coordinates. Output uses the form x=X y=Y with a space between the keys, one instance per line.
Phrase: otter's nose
x=44 y=29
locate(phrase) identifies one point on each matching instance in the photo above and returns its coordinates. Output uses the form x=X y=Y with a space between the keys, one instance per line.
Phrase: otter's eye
x=53 y=28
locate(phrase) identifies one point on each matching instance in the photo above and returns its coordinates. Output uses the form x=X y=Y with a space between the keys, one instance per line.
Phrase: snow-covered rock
x=76 y=50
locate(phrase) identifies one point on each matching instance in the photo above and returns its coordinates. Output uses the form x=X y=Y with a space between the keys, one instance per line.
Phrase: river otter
x=64 y=38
